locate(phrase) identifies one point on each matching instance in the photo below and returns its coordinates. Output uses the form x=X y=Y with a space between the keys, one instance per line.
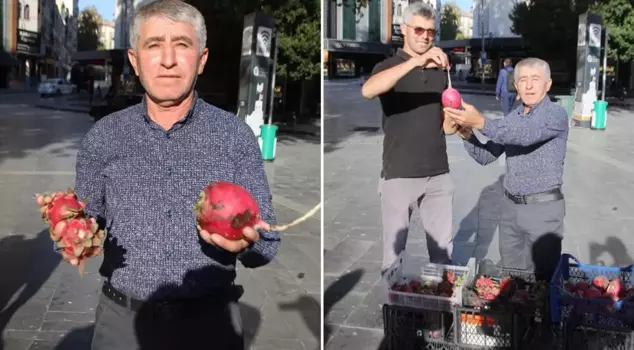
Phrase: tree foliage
x=449 y=22
x=550 y=26
x=88 y=30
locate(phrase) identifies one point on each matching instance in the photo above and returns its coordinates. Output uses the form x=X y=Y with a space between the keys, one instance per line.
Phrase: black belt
x=548 y=196
x=232 y=293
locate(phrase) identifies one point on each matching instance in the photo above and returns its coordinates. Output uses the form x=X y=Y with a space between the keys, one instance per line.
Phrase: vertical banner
x=255 y=66
x=588 y=67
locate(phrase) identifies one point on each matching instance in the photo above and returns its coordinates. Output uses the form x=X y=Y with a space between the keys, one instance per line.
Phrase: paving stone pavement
x=598 y=185
x=45 y=305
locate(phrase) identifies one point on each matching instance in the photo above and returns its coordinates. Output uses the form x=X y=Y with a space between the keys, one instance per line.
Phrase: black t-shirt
x=414 y=142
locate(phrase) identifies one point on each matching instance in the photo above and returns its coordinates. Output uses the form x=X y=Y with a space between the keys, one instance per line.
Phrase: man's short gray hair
x=532 y=62
x=418 y=9
x=175 y=10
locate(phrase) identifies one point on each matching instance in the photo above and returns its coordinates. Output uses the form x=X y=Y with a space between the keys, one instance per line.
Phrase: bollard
x=599 y=115
x=269 y=141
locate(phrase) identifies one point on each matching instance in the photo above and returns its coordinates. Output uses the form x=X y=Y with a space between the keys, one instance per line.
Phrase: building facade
x=123 y=13
x=491 y=18
x=465 y=24
x=356 y=41
x=106 y=35
x=41 y=35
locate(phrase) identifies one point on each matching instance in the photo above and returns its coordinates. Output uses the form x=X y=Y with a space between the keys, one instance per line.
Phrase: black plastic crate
x=580 y=334
x=408 y=328
x=488 y=328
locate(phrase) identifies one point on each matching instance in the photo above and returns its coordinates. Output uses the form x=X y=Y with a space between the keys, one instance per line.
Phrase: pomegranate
x=601 y=282
x=451 y=98
x=582 y=286
x=592 y=293
x=615 y=289
x=60 y=206
x=226 y=209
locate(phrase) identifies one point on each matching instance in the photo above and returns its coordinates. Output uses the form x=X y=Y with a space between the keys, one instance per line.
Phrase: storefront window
x=349 y=21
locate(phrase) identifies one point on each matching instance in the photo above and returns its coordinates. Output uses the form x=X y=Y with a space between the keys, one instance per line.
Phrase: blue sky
x=106 y=7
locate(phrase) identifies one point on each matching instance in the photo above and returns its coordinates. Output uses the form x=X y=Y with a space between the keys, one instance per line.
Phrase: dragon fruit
x=60 y=206
x=225 y=208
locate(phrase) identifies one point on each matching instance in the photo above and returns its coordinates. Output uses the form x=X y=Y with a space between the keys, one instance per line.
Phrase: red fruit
x=450 y=276
x=226 y=209
x=615 y=289
x=580 y=293
x=583 y=286
x=592 y=293
x=61 y=206
x=571 y=287
x=451 y=98
x=601 y=282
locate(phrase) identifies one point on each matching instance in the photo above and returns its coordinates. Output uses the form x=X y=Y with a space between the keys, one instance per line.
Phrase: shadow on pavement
x=613 y=246
x=484 y=230
x=26 y=265
x=308 y=307
x=337 y=291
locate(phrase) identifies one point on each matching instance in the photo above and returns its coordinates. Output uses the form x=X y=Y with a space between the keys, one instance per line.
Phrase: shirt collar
x=402 y=54
x=536 y=107
x=187 y=118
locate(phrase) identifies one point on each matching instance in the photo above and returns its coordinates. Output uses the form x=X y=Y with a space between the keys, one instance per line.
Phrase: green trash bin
x=599 y=115
x=269 y=141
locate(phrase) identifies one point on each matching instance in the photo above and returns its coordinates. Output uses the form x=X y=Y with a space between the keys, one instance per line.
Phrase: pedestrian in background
x=505 y=90
x=534 y=139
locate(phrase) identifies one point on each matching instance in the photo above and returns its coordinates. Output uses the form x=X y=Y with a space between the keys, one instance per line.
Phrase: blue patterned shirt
x=534 y=143
x=142 y=182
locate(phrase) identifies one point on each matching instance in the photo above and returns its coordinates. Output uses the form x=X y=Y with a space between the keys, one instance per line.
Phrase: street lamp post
x=482 y=52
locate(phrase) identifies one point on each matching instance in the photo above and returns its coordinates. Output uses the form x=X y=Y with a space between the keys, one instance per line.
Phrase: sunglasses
x=422 y=31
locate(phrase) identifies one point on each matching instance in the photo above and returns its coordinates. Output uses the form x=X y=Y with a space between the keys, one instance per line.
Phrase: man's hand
x=250 y=235
x=468 y=117
x=449 y=126
x=434 y=57
x=465 y=133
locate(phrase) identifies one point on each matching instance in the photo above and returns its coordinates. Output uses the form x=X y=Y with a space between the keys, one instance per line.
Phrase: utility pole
x=482 y=51
x=605 y=62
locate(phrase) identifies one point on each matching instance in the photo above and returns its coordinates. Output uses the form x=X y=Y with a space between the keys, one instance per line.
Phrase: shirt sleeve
x=527 y=131
x=252 y=176
x=483 y=153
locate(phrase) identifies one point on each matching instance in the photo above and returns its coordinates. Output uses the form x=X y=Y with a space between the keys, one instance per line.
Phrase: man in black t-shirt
x=415 y=166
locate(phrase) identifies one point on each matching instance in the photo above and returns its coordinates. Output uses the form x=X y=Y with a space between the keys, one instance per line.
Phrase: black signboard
x=28 y=42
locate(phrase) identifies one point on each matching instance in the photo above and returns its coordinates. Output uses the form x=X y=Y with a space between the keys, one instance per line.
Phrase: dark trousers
x=507 y=101
x=531 y=236
x=201 y=324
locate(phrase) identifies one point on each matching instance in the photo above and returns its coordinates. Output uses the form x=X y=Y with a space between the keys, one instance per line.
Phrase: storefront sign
x=28 y=42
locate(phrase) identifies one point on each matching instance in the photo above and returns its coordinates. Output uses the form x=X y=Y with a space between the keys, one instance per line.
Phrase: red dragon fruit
x=226 y=209
x=60 y=206
x=601 y=282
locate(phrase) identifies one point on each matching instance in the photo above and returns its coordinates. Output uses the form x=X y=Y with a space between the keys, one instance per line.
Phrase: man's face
x=167 y=59
x=419 y=33
x=531 y=84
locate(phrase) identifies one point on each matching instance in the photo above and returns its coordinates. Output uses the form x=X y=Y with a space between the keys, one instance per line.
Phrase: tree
x=549 y=27
x=618 y=16
x=449 y=22
x=88 y=29
x=298 y=26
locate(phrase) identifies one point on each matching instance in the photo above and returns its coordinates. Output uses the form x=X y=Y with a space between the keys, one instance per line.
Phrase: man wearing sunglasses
x=415 y=166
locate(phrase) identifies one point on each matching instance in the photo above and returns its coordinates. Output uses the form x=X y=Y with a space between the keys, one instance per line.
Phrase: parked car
x=56 y=87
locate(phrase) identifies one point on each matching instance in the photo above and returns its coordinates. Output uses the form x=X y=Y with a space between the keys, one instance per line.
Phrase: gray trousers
x=434 y=197
x=531 y=235
x=200 y=325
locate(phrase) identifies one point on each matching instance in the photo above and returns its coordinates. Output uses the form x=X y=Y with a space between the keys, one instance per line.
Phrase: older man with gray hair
x=415 y=164
x=534 y=140
x=168 y=285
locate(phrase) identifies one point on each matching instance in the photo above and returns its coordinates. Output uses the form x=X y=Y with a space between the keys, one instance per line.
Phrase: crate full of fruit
x=602 y=295
x=426 y=286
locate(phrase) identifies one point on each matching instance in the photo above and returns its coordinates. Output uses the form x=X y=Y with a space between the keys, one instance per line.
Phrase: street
x=598 y=185
x=44 y=302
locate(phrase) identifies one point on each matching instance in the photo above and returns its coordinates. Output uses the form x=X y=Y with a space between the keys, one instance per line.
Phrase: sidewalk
x=597 y=183
x=47 y=306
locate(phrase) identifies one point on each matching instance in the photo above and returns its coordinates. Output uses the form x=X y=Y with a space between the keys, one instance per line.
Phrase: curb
x=64 y=109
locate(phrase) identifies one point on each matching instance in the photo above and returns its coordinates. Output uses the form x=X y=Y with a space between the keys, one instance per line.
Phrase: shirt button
x=169 y=171
x=167 y=135
x=169 y=213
